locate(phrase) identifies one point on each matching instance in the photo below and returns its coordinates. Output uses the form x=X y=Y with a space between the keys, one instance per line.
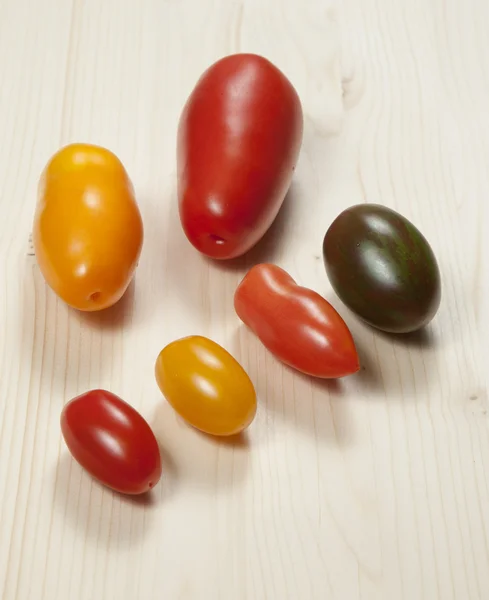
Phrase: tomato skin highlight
x=296 y=324
x=239 y=138
x=112 y=441
x=87 y=231
x=206 y=386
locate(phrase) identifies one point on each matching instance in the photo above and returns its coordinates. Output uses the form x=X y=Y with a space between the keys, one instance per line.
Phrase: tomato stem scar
x=219 y=240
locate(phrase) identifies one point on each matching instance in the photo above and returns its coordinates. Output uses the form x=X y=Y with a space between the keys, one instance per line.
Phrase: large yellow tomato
x=206 y=386
x=88 y=231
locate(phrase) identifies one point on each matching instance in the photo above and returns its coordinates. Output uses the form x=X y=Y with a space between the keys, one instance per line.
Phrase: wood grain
x=372 y=488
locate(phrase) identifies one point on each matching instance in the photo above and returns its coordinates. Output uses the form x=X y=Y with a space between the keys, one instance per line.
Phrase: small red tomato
x=239 y=138
x=112 y=441
x=296 y=324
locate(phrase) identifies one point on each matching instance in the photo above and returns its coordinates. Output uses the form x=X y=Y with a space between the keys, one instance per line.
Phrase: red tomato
x=296 y=324
x=112 y=441
x=238 y=142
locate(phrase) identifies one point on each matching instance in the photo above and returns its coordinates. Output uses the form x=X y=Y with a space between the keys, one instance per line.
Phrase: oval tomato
x=296 y=324
x=88 y=230
x=238 y=142
x=383 y=268
x=112 y=441
x=206 y=386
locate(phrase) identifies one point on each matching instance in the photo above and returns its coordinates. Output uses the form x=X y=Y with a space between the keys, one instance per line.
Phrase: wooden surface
x=374 y=488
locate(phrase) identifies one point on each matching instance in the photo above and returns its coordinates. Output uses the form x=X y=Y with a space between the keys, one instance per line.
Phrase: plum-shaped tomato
x=238 y=142
x=206 y=385
x=382 y=268
x=88 y=230
x=296 y=324
x=112 y=441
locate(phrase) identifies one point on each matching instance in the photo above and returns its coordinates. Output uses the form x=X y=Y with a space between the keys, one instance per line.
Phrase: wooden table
x=374 y=488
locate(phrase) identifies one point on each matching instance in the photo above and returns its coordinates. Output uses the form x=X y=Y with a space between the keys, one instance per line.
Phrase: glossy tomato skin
x=206 y=386
x=239 y=138
x=296 y=324
x=88 y=231
x=382 y=268
x=112 y=441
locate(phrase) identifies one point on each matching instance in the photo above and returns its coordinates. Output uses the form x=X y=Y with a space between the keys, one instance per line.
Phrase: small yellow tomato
x=206 y=386
x=88 y=231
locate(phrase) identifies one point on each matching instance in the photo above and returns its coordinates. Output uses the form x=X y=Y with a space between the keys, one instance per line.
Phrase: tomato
x=239 y=138
x=383 y=268
x=88 y=230
x=112 y=441
x=206 y=386
x=296 y=324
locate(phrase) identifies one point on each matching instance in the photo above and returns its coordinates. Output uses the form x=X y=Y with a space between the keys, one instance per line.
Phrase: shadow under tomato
x=399 y=366
x=396 y=368
x=97 y=512
x=369 y=374
x=115 y=317
x=313 y=406
x=239 y=440
x=422 y=338
x=268 y=249
x=201 y=461
x=331 y=386
x=147 y=499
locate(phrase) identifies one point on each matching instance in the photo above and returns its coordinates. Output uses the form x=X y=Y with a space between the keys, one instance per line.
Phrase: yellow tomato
x=88 y=231
x=206 y=386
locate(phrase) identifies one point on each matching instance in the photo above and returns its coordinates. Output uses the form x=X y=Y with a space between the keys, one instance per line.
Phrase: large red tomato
x=238 y=142
x=296 y=324
x=112 y=441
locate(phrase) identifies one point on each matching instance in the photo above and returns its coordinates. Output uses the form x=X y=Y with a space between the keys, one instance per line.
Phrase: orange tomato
x=88 y=231
x=206 y=386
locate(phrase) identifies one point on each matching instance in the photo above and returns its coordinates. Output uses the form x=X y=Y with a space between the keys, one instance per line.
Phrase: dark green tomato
x=382 y=268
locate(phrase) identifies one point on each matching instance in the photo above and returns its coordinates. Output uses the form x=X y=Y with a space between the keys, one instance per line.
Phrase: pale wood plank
x=375 y=488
